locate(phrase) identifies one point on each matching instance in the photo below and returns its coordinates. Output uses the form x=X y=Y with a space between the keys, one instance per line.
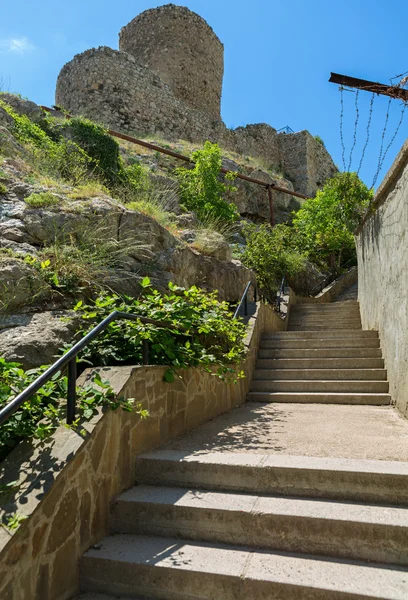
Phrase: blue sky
x=278 y=58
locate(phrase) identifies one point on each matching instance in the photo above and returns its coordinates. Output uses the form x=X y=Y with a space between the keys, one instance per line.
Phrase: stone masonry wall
x=382 y=252
x=111 y=87
x=305 y=161
x=66 y=484
x=183 y=50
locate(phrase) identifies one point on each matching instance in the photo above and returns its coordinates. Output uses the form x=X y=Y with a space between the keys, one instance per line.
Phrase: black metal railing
x=243 y=304
x=69 y=359
x=281 y=293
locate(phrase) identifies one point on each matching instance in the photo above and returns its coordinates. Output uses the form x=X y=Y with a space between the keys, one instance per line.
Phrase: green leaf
x=145 y=282
x=169 y=376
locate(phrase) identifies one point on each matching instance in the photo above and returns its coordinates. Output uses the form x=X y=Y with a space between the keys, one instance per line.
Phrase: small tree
x=271 y=254
x=325 y=224
x=201 y=189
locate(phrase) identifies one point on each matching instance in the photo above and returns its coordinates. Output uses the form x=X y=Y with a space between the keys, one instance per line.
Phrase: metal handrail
x=268 y=186
x=281 y=292
x=244 y=300
x=70 y=358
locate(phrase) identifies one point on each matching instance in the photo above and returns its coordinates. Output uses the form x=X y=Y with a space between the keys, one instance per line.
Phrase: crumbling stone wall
x=113 y=88
x=183 y=50
x=305 y=161
x=166 y=80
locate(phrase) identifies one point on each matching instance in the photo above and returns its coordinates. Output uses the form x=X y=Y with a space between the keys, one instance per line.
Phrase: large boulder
x=20 y=284
x=208 y=242
x=23 y=106
x=36 y=339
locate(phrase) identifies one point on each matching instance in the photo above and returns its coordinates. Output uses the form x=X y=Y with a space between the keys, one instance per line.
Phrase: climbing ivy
x=45 y=411
x=207 y=335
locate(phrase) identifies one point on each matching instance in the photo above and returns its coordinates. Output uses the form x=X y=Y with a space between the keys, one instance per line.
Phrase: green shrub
x=102 y=148
x=211 y=337
x=200 y=187
x=325 y=225
x=3 y=188
x=271 y=253
x=41 y=199
x=62 y=158
x=41 y=415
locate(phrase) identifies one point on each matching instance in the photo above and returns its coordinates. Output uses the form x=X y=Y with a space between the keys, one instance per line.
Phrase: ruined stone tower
x=166 y=80
x=180 y=47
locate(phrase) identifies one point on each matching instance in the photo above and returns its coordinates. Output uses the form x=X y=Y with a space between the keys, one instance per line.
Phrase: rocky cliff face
x=121 y=246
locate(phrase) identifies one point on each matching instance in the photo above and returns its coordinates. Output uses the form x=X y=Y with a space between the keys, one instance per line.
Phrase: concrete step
x=96 y=596
x=320 y=363
x=323 y=324
x=319 y=343
x=322 y=306
x=339 y=529
x=321 y=374
x=297 y=476
x=318 y=353
x=325 y=327
x=319 y=398
x=344 y=334
x=319 y=318
x=316 y=385
x=172 y=568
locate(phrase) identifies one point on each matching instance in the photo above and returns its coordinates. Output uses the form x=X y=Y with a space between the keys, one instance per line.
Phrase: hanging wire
x=387 y=116
x=370 y=114
x=355 y=131
x=343 y=148
x=391 y=141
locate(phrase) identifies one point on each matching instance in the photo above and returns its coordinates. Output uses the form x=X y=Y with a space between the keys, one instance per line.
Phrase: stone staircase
x=323 y=357
x=209 y=525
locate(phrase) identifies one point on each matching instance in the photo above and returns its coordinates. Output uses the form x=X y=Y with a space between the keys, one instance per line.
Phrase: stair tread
x=244 y=565
x=267 y=505
x=286 y=461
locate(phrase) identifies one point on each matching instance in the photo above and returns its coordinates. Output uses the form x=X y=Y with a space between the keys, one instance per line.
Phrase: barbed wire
x=391 y=142
x=343 y=148
x=355 y=131
x=387 y=116
x=370 y=114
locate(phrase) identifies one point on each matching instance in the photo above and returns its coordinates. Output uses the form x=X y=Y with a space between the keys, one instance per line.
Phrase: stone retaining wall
x=382 y=251
x=66 y=484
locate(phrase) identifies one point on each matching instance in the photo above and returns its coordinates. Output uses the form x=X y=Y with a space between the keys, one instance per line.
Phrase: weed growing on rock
x=42 y=199
x=3 y=188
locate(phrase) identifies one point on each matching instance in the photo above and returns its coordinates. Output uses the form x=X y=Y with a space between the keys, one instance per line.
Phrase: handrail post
x=255 y=294
x=71 y=390
x=246 y=304
x=271 y=215
x=145 y=350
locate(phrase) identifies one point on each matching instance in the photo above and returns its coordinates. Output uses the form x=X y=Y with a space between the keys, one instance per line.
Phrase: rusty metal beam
x=370 y=86
x=156 y=148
